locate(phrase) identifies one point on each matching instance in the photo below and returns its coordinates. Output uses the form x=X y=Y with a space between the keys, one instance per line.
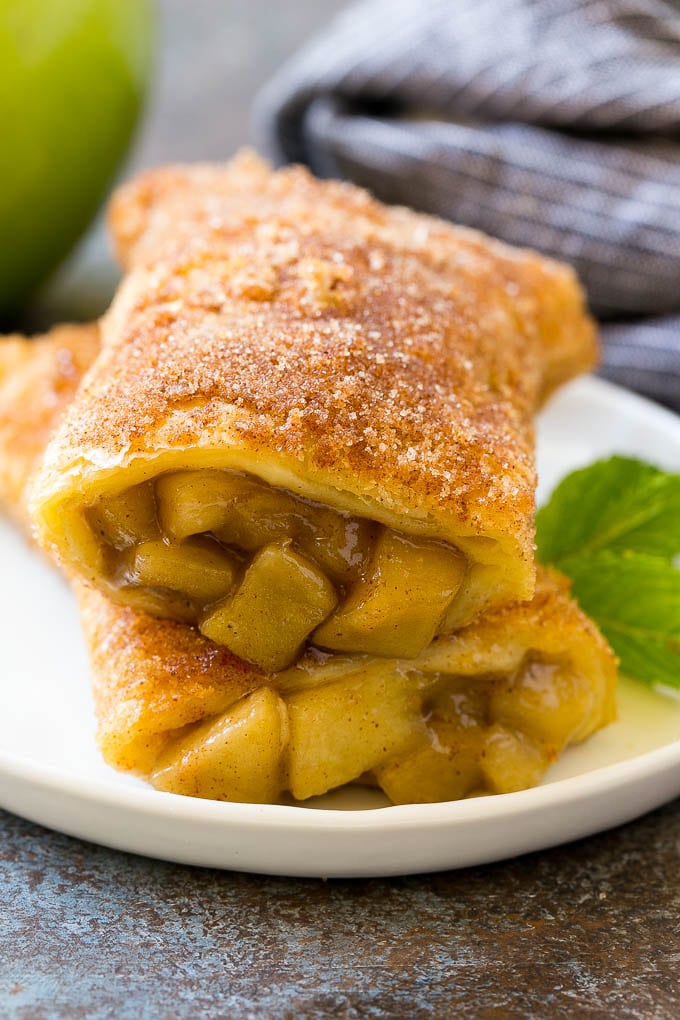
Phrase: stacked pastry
x=295 y=490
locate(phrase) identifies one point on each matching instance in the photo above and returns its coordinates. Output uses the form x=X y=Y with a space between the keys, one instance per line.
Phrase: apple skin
x=73 y=74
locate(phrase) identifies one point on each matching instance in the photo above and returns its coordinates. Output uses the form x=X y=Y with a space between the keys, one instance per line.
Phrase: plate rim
x=603 y=779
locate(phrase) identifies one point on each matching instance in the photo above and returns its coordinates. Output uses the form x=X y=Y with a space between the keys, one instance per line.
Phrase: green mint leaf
x=614 y=529
x=618 y=503
x=635 y=600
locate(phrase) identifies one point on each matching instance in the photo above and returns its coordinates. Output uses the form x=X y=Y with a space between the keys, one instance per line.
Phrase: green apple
x=72 y=77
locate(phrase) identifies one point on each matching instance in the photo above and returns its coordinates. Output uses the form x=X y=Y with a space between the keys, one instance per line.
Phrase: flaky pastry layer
x=373 y=360
x=485 y=710
x=38 y=381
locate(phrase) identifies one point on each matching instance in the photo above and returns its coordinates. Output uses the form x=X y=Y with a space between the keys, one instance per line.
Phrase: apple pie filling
x=419 y=737
x=262 y=571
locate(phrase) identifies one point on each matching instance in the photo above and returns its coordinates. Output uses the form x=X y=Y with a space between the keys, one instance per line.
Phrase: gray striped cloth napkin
x=549 y=123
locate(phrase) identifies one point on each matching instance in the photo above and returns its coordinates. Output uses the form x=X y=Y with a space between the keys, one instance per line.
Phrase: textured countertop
x=587 y=930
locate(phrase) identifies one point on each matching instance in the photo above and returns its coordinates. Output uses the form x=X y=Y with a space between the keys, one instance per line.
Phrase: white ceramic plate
x=50 y=770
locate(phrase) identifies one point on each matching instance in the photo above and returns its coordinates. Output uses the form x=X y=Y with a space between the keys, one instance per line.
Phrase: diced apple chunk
x=199 y=569
x=342 y=729
x=396 y=608
x=250 y=514
x=340 y=545
x=459 y=702
x=235 y=757
x=511 y=760
x=258 y=516
x=128 y=518
x=280 y=600
x=447 y=767
x=546 y=701
x=430 y=774
x=194 y=502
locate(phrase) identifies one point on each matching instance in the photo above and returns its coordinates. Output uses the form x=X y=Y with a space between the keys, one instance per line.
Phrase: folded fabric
x=549 y=123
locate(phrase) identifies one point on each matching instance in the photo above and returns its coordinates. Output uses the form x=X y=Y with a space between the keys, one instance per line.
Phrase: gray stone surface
x=587 y=930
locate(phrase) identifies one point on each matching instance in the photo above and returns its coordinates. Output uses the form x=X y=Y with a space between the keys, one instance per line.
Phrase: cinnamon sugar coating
x=372 y=349
x=149 y=676
x=153 y=677
x=38 y=380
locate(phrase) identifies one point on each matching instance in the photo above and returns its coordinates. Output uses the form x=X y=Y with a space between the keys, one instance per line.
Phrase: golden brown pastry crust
x=149 y=675
x=383 y=361
x=153 y=677
x=38 y=380
x=551 y=624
